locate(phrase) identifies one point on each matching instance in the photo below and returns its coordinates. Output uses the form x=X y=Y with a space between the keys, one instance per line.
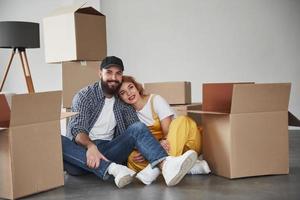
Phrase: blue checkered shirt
x=89 y=102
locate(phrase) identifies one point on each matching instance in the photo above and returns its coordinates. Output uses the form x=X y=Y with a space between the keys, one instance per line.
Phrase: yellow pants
x=183 y=135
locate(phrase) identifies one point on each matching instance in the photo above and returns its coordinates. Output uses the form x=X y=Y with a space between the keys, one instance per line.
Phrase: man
x=106 y=131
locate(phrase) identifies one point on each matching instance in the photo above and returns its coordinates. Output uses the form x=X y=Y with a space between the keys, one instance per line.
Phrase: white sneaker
x=175 y=168
x=123 y=175
x=200 y=167
x=148 y=174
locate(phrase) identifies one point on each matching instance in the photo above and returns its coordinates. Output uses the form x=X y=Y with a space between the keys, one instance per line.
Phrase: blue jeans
x=117 y=150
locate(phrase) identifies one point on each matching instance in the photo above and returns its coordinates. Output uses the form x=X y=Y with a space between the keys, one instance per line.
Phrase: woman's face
x=129 y=93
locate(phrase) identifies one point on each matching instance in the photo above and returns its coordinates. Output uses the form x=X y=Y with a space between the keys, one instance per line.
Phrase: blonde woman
x=176 y=135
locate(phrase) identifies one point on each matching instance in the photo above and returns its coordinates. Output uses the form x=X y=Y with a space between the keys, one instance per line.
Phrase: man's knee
x=138 y=128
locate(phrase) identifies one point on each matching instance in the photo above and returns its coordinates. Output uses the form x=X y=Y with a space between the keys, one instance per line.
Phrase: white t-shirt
x=104 y=127
x=161 y=108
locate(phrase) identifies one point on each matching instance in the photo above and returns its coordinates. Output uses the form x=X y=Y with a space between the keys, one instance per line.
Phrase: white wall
x=169 y=40
x=207 y=41
x=46 y=77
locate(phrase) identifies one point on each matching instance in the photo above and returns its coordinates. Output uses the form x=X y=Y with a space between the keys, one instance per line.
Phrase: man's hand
x=93 y=156
x=165 y=144
x=138 y=158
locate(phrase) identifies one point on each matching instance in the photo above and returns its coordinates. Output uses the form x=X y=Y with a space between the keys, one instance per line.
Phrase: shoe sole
x=125 y=180
x=187 y=164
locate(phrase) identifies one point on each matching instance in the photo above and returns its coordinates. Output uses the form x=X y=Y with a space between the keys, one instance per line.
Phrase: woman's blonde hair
x=130 y=79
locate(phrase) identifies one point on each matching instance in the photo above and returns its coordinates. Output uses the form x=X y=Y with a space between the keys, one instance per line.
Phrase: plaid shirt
x=89 y=102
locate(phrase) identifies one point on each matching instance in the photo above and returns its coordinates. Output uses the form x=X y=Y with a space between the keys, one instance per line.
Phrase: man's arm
x=93 y=155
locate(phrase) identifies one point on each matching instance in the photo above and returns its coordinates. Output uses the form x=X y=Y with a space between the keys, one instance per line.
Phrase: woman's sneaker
x=148 y=174
x=200 y=167
x=175 y=168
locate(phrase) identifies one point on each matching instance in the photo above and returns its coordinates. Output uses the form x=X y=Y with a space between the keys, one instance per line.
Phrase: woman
x=176 y=135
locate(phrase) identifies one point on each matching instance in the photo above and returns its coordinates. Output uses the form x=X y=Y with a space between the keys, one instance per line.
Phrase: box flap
x=5 y=112
x=64 y=115
x=216 y=97
x=248 y=98
x=66 y=9
x=35 y=108
x=89 y=10
x=207 y=112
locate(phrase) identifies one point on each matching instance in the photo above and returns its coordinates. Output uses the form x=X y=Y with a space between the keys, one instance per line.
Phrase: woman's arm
x=165 y=123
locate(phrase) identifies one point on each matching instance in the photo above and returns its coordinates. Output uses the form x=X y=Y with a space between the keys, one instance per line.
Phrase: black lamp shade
x=19 y=34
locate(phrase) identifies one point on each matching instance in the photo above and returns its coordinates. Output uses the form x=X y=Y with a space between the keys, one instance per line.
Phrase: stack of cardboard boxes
x=75 y=36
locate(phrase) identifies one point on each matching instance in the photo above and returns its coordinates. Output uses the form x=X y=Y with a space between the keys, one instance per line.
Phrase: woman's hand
x=165 y=144
x=93 y=157
x=138 y=158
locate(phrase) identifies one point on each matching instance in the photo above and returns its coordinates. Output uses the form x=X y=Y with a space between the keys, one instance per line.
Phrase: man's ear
x=100 y=73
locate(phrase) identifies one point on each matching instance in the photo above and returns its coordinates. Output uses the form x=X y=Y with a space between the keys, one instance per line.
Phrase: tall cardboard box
x=77 y=75
x=30 y=145
x=246 y=129
x=173 y=92
x=74 y=33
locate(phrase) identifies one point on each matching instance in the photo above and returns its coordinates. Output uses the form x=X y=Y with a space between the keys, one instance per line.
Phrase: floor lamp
x=19 y=36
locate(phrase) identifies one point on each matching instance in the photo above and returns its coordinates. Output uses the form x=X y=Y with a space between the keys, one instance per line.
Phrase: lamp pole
x=7 y=68
x=27 y=74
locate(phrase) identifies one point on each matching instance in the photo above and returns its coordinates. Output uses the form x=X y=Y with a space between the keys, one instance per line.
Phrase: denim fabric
x=117 y=150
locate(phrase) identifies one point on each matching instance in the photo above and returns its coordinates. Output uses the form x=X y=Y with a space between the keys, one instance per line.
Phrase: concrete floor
x=191 y=187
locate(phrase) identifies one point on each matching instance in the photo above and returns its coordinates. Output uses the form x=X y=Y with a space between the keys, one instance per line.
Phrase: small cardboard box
x=75 y=76
x=184 y=110
x=74 y=33
x=246 y=129
x=173 y=92
x=30 y=144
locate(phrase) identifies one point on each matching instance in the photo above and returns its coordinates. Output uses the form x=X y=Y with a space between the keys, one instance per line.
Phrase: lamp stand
x=24 y=61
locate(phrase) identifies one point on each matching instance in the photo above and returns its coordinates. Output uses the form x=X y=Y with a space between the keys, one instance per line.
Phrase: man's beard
x=110 y=90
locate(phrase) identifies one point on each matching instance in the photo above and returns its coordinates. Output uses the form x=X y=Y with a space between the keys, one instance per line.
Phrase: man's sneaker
x=175 y=168
x=200 y=167
x=148 y=174
x=123 y=175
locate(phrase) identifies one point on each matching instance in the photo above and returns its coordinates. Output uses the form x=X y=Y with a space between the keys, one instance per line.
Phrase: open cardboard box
x=75 y=76
x=30 y=144
x=246 y=128
x=74 y=33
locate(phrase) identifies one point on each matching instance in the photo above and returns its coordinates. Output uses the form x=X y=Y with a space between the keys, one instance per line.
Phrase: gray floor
x=192 y=187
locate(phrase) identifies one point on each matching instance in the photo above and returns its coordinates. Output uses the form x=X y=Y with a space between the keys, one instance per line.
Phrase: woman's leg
x=183 y=135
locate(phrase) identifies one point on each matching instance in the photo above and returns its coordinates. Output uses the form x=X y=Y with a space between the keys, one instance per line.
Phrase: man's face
x=111 y=79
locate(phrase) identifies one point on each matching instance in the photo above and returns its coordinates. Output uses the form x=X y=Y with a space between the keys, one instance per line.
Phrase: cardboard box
x=30 y=145
x=74 y=33
x=184 y=110
x=75 y=76
x=173 y=92
x=246 y=129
